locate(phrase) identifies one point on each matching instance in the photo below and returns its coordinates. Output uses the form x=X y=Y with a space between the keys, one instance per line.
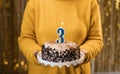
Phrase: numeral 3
x=60 y=31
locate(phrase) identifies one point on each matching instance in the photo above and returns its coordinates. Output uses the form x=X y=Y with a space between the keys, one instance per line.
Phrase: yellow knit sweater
x=82 y=25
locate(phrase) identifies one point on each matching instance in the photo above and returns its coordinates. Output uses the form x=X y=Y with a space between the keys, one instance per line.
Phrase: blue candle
x=61 y=32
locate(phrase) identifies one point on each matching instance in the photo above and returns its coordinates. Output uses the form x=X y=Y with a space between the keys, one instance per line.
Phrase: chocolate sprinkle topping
x=52 y=55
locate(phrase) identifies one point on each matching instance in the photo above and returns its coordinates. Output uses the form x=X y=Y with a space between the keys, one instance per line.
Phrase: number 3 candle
x=61 y=33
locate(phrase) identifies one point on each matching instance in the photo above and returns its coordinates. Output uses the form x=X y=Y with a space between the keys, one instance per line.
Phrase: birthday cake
x=60 y=52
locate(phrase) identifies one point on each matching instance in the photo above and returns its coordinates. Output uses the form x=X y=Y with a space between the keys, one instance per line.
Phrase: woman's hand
x=83 y=54
x=35 y=54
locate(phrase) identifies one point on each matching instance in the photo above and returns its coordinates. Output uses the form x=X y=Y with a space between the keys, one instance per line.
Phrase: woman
x=81 y=22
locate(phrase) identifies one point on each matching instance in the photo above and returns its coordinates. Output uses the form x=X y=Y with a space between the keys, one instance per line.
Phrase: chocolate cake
x=60 y=52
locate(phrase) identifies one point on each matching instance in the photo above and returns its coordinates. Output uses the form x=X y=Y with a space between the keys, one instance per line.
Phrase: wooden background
x=13 y=62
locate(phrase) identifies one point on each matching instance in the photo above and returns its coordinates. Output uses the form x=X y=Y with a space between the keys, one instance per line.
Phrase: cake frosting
x=60 y=46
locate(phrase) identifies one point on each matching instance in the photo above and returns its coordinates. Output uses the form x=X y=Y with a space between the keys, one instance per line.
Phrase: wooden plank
x=6 y=38
x=20 y=64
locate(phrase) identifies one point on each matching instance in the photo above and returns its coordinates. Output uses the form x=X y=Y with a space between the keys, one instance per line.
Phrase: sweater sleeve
x=27 y=39
x=94 y=40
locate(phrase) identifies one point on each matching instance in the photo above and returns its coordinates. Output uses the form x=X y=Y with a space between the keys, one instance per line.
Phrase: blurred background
x=12 y=60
